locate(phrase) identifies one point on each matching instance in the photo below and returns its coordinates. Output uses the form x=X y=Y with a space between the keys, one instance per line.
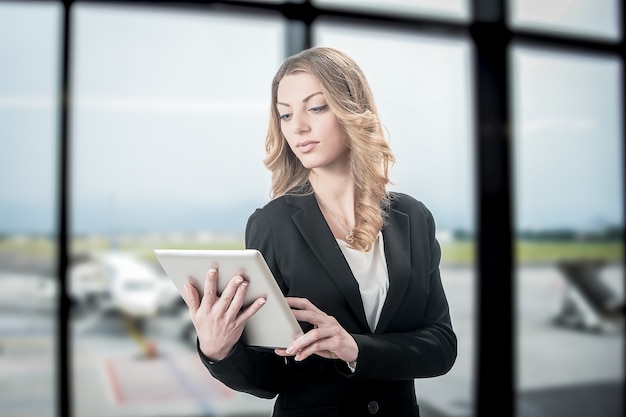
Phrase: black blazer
x=414 y=336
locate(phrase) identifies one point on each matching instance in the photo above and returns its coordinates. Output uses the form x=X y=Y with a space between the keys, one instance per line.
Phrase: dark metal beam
x=622 y=49
x=64 y=368
x=495 y=376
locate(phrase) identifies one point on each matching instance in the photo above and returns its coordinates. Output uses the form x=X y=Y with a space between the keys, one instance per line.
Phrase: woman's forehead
x=297 y=87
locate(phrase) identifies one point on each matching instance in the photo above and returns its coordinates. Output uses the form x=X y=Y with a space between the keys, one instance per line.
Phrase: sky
x=170 y=109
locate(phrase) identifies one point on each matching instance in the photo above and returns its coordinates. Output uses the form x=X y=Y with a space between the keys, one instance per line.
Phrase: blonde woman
x=359 y=265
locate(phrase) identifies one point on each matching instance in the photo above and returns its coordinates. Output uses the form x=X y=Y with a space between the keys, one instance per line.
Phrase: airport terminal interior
x=130 y=126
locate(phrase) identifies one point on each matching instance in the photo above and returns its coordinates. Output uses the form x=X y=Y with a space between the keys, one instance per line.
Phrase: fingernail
x=212 y=271
x=186 y=287
x=262 y=301
x=238 y=280
x=289 y=350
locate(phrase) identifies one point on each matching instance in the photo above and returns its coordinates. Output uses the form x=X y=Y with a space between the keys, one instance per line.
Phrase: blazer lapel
x=312 y=225
x=398 y=255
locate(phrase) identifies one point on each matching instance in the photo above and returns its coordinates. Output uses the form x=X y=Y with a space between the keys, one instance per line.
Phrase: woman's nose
x=300 y=123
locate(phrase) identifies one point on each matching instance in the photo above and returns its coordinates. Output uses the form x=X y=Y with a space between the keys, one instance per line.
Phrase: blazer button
x=372 y=407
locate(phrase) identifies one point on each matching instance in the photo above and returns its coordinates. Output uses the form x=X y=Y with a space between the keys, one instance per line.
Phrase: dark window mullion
x=622 y=48
x=64 y=369
x=297 y=37
x=495 y=330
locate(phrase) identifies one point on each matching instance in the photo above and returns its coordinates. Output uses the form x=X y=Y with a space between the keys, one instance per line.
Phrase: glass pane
x=457 y=10
x=168 y=135
x=29 y=86
x=588 y=18
x=423 y=93
x=569 y=226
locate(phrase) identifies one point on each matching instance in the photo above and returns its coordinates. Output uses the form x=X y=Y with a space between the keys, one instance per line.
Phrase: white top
x=370 y=271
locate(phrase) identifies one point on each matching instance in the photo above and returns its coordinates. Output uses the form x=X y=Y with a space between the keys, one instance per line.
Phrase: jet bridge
x=589 y=303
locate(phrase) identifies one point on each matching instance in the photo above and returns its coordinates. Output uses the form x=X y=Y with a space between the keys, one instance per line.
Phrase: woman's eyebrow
x=307 y=98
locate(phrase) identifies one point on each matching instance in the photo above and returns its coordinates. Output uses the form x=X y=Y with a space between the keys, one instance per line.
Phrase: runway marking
x=163 y=379
x=114 y=382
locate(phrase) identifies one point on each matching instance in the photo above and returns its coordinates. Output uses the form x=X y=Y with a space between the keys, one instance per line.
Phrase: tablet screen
x=274 y=325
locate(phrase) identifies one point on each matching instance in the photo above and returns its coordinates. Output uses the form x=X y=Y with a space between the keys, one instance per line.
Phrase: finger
x=309 y=350
x=316 y=318
x=210 y=286
x=237 y=302
x=316 y=349
x=192 y=299
x=301 y=304
x=282 y=352
x=251 y=310
x=304 y=341
x=323 y=344
x=225 y=299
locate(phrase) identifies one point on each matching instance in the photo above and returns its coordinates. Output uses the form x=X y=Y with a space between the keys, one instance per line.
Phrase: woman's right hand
x=219 y=320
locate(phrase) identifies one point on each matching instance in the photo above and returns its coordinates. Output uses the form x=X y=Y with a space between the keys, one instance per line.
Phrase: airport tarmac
x=113 y=376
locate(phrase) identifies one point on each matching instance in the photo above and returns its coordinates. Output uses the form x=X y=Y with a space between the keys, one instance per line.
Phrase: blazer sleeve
x=257 y=371
x=428 y=351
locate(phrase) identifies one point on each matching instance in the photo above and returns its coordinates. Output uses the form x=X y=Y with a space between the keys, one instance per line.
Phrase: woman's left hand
x=327 y=338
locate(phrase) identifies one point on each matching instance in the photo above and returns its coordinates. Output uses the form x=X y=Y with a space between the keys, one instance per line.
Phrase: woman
x=359 y=265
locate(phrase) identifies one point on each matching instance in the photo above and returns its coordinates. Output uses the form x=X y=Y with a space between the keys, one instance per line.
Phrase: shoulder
x=276 y=221
x=408 y=204
x=284 y=203
x=282 y=207
x=419 y=215
x=271 y=210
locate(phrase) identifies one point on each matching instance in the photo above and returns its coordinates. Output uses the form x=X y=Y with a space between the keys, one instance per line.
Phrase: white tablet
x=274 y=325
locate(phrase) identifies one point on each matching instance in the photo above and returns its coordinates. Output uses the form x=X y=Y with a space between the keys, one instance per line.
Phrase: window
x=167 y=113
x=422 y=91
x=445 y=9
x=569 y=214
x=582 y=18
x=29 y=111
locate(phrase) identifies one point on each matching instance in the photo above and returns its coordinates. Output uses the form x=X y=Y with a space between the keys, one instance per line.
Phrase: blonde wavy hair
x=349 y=96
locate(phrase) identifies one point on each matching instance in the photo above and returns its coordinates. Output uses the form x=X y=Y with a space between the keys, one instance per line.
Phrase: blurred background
x=164 y=125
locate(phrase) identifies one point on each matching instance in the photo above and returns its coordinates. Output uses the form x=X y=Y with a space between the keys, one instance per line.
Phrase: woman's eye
x=285 y=117
x=319 y=109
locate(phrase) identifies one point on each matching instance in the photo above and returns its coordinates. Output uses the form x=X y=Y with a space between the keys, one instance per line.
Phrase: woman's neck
x=336 y=192
x=332 y=184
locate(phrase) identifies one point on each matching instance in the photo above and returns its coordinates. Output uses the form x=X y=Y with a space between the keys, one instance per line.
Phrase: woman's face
x=312 y=130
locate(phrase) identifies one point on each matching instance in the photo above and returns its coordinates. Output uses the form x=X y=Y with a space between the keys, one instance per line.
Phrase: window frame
x=494 y=368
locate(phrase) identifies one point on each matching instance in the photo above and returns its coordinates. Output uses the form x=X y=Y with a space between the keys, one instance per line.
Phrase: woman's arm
x=428 y=351
x=257 y=371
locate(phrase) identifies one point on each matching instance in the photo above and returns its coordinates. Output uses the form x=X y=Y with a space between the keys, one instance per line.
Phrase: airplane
x=121 y=283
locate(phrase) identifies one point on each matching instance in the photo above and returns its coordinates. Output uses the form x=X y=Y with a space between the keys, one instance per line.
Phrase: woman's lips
x=306 y=146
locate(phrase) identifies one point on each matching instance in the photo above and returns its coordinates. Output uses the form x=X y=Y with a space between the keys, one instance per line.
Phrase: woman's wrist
x=213 y=355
